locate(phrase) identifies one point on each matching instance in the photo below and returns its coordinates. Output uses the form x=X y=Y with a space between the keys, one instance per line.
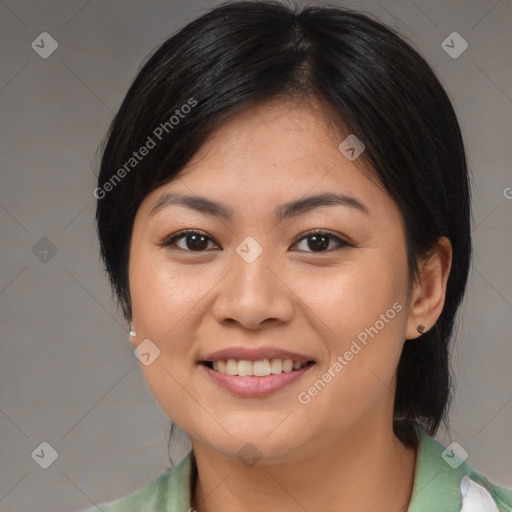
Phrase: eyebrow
x=285 y=211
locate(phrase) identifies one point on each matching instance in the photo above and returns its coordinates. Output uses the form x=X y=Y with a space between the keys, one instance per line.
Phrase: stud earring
x=132 y=332
x=421 y=329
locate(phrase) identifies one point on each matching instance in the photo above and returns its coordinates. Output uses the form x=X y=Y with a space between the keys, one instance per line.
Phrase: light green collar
x=436 y=482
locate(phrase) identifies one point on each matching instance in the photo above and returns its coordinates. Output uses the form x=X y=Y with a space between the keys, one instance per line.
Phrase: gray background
x=68 y=375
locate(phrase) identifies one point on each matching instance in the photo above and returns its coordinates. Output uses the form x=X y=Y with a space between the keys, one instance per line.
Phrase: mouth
x=254 y=379
x=259 y=368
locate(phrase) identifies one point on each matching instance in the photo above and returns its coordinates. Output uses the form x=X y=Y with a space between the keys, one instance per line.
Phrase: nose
x=254 y=295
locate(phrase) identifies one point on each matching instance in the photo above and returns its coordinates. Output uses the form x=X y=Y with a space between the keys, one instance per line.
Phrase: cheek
x=159 y=302
x=353 y=296
x=160 y=306
x=363 y=307
x=161 y=296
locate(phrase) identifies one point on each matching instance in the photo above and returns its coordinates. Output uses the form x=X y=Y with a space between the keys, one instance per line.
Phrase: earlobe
x=132 y=334
x=427 y=299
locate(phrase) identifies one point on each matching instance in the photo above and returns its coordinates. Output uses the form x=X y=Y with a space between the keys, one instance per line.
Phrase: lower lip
x=255 y=386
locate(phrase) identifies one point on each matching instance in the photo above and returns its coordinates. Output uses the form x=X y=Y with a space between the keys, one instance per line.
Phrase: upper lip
x=256 y=354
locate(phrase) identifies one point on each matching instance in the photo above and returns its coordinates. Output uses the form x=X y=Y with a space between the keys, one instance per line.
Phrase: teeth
x=276 y=366
x=244 y=368
x=287 y=365
x=261 y=368
x=231 y=367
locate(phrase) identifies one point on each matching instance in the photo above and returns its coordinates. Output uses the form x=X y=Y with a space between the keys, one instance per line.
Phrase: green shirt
x=442 y=483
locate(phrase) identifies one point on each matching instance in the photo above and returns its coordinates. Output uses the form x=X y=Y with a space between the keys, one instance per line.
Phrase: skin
x=338 y=452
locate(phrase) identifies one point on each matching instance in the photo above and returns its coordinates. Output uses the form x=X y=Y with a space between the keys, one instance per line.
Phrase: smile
x=261 y=368
x=255 y=378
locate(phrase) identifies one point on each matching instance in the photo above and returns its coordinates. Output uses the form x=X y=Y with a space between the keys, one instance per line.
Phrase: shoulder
x=445 y=481
x=170 y=491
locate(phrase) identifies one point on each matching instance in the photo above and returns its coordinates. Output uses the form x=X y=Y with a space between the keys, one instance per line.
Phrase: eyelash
x=170 y=241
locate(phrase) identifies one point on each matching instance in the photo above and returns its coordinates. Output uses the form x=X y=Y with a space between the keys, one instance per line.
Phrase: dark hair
x=241 y=54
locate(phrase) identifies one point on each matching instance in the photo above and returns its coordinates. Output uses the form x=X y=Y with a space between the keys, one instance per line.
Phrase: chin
x=254 y=445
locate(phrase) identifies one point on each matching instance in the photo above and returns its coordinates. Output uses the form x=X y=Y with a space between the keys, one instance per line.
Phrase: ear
x=429 y=291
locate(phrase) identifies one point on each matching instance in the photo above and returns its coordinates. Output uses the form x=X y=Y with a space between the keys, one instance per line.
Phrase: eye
x=319 y=241
x=195 y=241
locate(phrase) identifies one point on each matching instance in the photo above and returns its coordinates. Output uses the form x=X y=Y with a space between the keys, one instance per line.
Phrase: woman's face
x=260 y=286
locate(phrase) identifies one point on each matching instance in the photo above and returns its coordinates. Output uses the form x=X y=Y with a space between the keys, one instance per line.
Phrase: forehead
x=278 y=130
x=273 y=143
x=274 y=153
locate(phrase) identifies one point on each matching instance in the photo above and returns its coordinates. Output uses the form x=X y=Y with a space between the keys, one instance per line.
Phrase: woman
x=284 y=215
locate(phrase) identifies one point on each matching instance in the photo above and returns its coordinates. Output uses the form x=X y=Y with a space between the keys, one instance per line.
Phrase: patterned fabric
x=443 y=482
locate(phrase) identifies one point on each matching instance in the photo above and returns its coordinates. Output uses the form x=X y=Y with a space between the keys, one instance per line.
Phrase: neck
x=368 y=469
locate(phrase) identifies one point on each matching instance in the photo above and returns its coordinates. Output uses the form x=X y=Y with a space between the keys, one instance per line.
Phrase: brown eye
x=319 y=241
x=194 y=241
x=197 y=241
